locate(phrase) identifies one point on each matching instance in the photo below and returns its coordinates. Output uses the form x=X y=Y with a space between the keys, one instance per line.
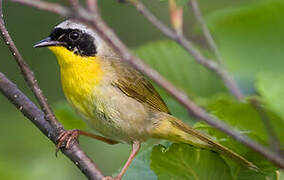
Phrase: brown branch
x=84 y=163
x=74 y=5
x=92 y=5
x=45 y=6
x=189 y=47
x=28 y=74
x=37 y=117
x=106 y=33
x=273 y=139
x=208 y=37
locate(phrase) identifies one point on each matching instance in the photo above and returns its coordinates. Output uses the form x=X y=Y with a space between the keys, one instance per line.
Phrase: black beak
x=48 y=42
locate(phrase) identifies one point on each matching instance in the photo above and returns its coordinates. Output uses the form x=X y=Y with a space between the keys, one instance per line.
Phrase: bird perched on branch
x=115 y=99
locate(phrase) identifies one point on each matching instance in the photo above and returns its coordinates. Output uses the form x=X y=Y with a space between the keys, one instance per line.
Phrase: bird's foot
x=111 y=178
x=66 y=137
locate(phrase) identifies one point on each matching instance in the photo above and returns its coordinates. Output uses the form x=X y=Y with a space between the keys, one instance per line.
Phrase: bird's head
x=72 y=38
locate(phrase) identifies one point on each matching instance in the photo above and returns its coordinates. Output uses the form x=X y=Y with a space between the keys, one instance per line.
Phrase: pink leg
x=135 y=149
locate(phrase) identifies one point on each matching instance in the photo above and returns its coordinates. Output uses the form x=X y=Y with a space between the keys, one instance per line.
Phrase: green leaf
x=271 y=88
x=68 y=117
x=242 y=116
x=250 y=39
x=180 y=68
x=184 y=162
x=245 y=119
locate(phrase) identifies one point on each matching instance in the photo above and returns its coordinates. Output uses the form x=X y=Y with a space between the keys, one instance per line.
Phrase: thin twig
x=208 y=37
x=188 y=46
x=92 y=5
x=274 y=141
x=46 y=6
x=28 y=74
x=84 y=163
x=37 y=117
x=106 y=33
x=74 y=5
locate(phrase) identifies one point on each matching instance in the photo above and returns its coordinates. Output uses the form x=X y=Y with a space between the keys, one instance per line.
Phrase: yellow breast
x=79 y=76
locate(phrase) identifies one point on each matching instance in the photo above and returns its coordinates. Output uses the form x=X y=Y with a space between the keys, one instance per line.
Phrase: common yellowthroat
x=115 y=99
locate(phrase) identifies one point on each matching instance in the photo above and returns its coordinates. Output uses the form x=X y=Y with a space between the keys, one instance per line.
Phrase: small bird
x=115 y=100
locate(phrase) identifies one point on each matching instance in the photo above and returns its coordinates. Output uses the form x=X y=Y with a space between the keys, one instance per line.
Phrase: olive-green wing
x=135 y=85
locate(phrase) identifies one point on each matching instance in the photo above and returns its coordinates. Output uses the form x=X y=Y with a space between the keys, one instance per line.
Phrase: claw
x=66 y=138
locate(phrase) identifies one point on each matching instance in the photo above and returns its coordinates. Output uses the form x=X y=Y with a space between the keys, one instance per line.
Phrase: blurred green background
x=249 y=34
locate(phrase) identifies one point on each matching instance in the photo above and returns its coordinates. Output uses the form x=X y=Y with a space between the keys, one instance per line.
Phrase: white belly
x=117 y=116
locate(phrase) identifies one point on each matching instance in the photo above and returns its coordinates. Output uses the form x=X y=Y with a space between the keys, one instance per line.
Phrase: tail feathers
x=175 y=130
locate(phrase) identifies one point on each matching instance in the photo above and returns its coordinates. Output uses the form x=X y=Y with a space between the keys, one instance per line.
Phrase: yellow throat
x=79 y=76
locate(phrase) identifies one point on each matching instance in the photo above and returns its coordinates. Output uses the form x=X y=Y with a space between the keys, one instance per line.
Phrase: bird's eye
x=74 y=35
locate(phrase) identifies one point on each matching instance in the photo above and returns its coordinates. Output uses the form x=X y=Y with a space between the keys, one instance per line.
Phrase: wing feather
x=133 y=84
